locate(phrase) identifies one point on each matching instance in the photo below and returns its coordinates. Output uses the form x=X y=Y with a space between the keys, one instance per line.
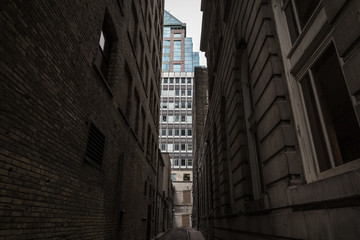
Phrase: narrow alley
x=182 y=234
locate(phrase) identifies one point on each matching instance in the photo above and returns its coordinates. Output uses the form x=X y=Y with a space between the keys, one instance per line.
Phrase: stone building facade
x=281 y=139
x=80 y=100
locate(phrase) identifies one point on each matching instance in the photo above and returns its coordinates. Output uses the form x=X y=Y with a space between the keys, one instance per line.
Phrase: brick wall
x=50 y=94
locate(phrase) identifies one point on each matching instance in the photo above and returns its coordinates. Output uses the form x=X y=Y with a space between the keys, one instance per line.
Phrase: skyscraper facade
x=178 y=62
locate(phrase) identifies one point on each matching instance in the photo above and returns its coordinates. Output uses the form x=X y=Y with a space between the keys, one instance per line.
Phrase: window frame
x=295 y=70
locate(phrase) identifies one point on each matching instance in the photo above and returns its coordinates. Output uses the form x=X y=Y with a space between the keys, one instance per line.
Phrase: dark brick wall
x=50 y=93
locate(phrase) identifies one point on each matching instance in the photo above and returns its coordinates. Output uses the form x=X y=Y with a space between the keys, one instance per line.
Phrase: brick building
x=199 y=111
x=80 y=98
x=281 y=137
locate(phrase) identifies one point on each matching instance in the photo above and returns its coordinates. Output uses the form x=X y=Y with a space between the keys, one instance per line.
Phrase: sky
x=188 y=11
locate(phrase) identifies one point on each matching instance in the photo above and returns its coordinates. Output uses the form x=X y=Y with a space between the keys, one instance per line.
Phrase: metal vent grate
x=95 y=146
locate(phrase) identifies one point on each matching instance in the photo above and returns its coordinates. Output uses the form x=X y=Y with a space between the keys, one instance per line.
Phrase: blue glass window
x=177 y=51
x=177 y=67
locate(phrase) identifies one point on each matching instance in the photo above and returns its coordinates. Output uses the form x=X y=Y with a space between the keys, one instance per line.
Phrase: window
x=183 y=104
x=176 y=105
x=183 y=119
x=189 y=92
x=189 y=105
x=189 y=163
x=177 y=68
x=106 y=47
x=177 y=80
x=163 y=132
x=334 y=127
x=189 y=80
x=177 y=118
x=176 y=162
x=177 y=35
x=176 y=147
x=183 y=92
x=189 y=119
x=170 y=132
x=183 y=147
x=171 y=80
x=298 y=13
x=164 y=118
x=190 y=147
x=186 y=176
x=177 y=93
x=95 y=146
x=177 y=52
x=189 y=132
x=163 y=147
x=183 y=80
x=173 y=176
x=170 y=147
x=182 y=132
x=183 y=162
x=165 y=80
x=176 y=132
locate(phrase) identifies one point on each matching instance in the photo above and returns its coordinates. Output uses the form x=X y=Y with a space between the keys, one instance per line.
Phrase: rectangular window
x=173 y=176
x=163 y=132
x=189 y=80
x=189 y=119
x=177 y=118
x=176 y=162
x=182 y=132
x=183 y=119
x=170 y=147
x=177 y=80
x=186 y=176
x=177 y=68
x=189 y=163
x=177 y=147
x=176 y=132
x=189 y=132
x=177 y=51
x=189 y=105
x=183 y=162
x=171 y=80
x=177 y=93
x=164 y=118
x=163 y=147
x=189 y=92
x=95 y=146
x=106 y=47
x=298 y=13
x=334 y=127
x=183 y=92
x=190 y=147
x=183 y=104
x=170 y=132
x=183 y=80
x=183 y=147
x=165 y=81
x=177 y=35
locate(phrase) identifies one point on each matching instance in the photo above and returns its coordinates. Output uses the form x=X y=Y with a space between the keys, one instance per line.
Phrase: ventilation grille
x=95 y=146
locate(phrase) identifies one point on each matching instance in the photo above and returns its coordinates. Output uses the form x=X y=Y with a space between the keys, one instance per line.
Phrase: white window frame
x=291 y=55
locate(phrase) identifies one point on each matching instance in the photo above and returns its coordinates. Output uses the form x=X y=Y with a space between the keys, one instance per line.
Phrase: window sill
x=337 y=187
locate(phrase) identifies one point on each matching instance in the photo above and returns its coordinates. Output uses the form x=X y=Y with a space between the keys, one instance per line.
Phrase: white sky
x=188 y=11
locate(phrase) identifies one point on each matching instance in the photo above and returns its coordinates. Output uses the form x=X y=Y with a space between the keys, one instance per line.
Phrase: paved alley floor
x=176 y=234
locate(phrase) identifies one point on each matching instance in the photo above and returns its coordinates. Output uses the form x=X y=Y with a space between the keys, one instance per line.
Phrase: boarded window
x=186 y=196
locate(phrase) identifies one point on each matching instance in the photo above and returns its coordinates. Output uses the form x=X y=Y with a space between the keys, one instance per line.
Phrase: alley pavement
x=182 y=234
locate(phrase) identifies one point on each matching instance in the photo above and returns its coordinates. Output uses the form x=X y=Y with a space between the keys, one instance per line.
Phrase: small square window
x=171 y=80
x=186 y=175
x=165 y=80
x=177 y=80
x=183 y=80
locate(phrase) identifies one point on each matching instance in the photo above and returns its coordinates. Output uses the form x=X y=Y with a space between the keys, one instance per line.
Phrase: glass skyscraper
x=178 y=62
